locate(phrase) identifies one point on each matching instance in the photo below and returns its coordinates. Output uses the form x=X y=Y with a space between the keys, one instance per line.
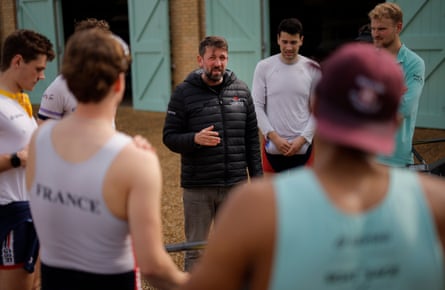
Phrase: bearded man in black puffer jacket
x=211 y=122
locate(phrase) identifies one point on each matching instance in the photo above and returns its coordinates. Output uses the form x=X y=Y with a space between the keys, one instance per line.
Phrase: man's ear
x=16 y=60
x=119 y=83
x=200 y=61
x=399 y=26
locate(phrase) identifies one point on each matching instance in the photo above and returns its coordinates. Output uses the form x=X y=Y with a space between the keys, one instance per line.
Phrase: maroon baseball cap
x=357 y=98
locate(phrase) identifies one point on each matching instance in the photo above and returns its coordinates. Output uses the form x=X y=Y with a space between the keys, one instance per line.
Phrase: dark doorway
x=326 y=23
x=115 y=12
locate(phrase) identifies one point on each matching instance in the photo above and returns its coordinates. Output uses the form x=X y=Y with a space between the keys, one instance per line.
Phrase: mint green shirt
x=414 y=72
x=392 y=246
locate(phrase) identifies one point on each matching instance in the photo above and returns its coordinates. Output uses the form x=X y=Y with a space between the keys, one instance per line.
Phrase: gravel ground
x=150 y=124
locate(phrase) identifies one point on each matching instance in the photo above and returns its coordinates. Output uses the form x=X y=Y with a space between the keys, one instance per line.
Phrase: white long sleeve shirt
x=282 y=94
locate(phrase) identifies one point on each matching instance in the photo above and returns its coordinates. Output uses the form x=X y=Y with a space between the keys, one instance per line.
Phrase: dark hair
x=213 y=41
x=92 y=62
x=364 y=33
x=290 y=25
x=27 y=43
x=91 y=23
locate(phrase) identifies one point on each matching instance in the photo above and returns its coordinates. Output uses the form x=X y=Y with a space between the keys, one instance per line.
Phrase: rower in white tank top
x=104 y=245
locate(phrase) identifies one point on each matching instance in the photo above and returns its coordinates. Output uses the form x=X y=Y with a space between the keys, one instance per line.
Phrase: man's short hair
x=27 y=43
x=290 y=25
x=213 y=41
x=387 y=10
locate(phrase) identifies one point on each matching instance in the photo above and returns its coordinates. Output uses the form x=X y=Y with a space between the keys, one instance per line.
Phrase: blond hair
x=387 y=10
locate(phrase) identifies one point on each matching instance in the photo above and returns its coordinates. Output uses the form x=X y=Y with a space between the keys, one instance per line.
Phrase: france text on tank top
x=74 y=225
x=392 y=246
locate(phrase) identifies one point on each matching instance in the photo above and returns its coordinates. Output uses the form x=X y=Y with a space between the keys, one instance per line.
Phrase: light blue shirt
x=414 y=72
x=393 y=246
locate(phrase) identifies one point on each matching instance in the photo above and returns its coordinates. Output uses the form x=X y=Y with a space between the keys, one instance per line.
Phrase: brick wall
x=187 y=25
x=7 y=19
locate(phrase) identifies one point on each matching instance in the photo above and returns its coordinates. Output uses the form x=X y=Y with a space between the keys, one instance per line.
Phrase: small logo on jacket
x=236 y=101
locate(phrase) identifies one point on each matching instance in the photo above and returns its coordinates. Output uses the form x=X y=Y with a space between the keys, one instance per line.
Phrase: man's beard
x=213 y=77
x=384 y=44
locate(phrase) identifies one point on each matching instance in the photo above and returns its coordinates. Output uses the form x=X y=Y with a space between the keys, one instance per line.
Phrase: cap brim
x=377 y=138
x=364 y=38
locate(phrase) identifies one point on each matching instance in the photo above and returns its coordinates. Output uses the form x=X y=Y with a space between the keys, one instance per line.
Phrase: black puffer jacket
x=194 y=106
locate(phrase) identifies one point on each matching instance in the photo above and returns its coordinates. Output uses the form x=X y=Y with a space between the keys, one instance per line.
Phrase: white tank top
x=16 y=128
x=75 y=227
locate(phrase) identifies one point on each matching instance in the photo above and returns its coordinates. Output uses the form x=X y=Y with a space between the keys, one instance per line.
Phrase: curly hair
x=91 y=23
x=92 y=62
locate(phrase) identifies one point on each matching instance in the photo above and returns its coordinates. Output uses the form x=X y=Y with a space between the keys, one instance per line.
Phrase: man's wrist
x=15 y=160
x=269 y=135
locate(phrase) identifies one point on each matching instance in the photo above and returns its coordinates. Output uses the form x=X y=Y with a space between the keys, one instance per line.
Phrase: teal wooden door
x=39 y=15
x=424 y=32
x=240 y=23
x=150 y=49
